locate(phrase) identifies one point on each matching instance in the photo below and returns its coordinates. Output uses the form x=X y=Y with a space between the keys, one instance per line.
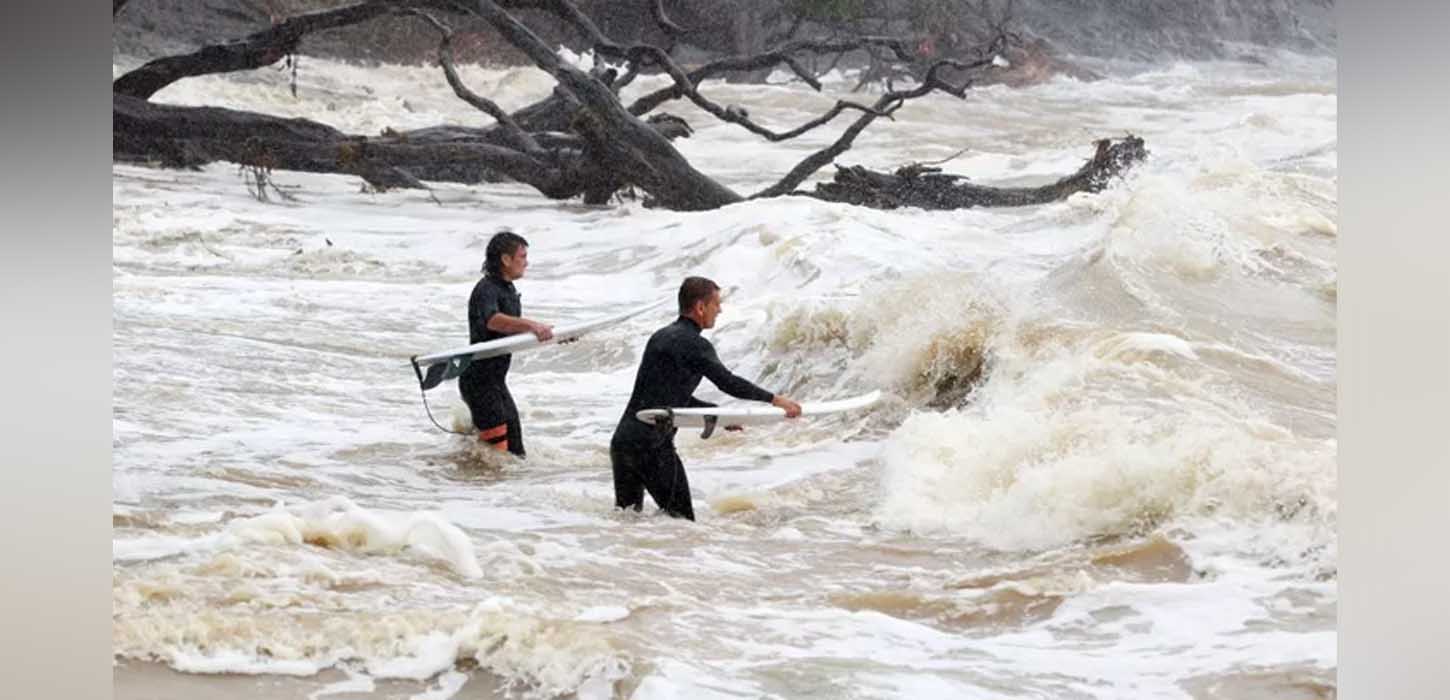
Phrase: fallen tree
x=917 y=185
x=581 y=140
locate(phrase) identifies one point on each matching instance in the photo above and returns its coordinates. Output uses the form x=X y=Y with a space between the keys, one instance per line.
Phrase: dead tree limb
x=783 y=54
x=657 y=11
x=619 y=138
x=510 y=128
x=926 y=187
x=179 y=136
x=531 y=146
x=260 y=49
x=581 y=140
x=886 y=105
x=567 y=11
x=651 y=55
x=190 y=136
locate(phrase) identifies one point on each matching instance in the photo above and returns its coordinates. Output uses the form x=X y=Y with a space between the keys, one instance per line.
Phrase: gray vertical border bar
x=1394 y=350
x=55 y=405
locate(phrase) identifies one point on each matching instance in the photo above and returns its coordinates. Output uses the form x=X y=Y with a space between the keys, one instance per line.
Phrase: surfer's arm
x=484 y=307
x=708 y=364
x=501 y=322
x=697 y=403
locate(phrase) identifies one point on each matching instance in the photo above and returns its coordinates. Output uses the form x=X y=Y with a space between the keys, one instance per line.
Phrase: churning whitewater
x=1104 y=465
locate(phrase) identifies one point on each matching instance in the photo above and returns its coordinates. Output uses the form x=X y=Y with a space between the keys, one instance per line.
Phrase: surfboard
x=749 y=414
x=435 y=368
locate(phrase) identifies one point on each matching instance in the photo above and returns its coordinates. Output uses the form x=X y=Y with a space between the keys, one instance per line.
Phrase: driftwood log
x=928 y=188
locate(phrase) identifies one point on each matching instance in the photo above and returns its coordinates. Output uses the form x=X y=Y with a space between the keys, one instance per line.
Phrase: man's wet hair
x=505 y=242
x=695 y=289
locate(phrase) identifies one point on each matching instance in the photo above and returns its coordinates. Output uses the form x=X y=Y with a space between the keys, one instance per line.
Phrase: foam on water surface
x=1112 y=416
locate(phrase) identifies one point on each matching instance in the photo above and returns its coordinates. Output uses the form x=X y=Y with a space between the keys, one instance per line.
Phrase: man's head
x=700 y=301
x=507 y=256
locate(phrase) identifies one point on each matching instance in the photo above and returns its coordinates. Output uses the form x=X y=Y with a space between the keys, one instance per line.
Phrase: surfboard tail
x=441 y=371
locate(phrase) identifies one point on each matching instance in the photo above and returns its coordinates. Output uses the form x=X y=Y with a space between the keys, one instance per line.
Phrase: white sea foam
x=338 y=522
x=1154 y=360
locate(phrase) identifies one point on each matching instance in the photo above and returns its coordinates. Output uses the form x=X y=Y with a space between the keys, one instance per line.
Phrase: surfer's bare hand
x=792 y=409
x=542 y=331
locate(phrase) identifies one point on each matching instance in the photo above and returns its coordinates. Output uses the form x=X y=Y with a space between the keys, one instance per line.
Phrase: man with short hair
x=675 y=359
x=495 y=311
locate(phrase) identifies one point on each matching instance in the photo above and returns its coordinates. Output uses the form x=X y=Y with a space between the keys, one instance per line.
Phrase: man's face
x=515 y=263
x=709 y=309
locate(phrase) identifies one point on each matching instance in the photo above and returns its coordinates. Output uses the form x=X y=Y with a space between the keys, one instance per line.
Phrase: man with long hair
x=495 y=311
x=675 y=359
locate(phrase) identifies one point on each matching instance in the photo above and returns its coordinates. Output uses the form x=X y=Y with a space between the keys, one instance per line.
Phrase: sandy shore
x=139 y=680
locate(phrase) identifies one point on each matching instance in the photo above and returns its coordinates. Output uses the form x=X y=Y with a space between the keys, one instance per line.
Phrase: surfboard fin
x=709 y=430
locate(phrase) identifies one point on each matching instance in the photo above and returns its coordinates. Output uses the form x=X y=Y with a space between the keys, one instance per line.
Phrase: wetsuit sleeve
x=484 y=306
x=702 y=359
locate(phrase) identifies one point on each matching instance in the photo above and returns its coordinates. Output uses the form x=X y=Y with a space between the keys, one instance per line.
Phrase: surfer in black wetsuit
x=494 y=311
x=675 y=359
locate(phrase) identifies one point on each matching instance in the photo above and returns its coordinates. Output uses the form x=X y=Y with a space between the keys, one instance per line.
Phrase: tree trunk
x=581 y=140
x=192 y=136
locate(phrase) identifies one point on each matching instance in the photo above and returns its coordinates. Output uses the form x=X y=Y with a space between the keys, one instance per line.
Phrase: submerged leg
x=668 y=484
x=628 y=488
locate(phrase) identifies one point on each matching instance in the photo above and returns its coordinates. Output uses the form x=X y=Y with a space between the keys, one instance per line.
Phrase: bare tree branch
x=886 y=104
x=615 y=134
x=511 y=129
x=259 y=49
x=735 y=115
x=629 y=75
x=802 y=73
x=774 y=57
x=657 y=10
x=581 y=140
x=923 y=166
x=834 y=62
x=581 y=22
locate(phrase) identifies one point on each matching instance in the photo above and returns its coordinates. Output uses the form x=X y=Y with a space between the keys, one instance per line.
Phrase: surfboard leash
x=424 y=393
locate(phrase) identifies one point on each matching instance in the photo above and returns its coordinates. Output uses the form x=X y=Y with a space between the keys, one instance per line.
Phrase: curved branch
x=581 y=22
x=834 y=62
x=782 y=54
x=260 y=49
x=885 y=106
x=510 y=128
x=657 y=10
x=840 y=106
x=566 y=10
x=619 y=138
x=732 y=114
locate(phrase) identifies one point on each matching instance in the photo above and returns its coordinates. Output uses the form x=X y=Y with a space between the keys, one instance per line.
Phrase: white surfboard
x=434 y=368
x=749 y=414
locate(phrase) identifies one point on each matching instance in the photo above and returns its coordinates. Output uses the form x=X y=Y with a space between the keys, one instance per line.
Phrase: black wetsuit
x=482 y=383
x=643 y=455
